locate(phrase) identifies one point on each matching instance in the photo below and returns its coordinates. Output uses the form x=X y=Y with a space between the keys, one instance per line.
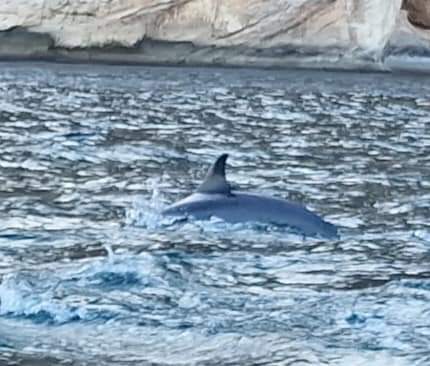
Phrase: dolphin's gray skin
x=215 y=198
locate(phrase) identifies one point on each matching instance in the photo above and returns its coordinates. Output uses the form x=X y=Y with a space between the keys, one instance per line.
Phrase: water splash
x=47 y=297
x=20 y=295
x=147 y=213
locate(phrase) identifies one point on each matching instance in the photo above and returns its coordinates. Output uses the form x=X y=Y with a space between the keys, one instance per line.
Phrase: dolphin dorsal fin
x=215 y=181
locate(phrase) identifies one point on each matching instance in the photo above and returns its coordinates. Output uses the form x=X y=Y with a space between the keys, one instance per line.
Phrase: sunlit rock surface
x=305 y=33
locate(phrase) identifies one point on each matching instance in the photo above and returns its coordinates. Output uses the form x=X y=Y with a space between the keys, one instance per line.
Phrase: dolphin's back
x=214 y=198
x=250 y=207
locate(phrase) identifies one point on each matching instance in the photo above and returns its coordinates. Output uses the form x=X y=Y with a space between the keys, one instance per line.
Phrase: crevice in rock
x=303 y=17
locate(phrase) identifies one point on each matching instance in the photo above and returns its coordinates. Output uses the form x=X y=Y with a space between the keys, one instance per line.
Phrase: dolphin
x=215 y=197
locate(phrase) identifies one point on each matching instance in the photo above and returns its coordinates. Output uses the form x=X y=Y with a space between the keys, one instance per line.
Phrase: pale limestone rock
x=371 y=23
x=22 y=13
x=254 y=23
x=257 y=32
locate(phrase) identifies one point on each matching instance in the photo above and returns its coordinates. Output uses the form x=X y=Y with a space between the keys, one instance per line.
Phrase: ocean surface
x=91 y=274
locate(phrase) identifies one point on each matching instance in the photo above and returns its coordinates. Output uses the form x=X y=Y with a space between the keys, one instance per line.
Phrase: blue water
x=90 y=273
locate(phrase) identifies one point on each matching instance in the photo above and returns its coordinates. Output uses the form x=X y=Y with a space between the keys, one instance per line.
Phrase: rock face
x=308 y=33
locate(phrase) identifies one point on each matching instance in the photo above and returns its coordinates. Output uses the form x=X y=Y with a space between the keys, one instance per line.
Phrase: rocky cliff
x=379 y=34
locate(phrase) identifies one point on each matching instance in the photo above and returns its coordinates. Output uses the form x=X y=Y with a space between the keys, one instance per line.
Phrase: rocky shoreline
x=384 y=35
